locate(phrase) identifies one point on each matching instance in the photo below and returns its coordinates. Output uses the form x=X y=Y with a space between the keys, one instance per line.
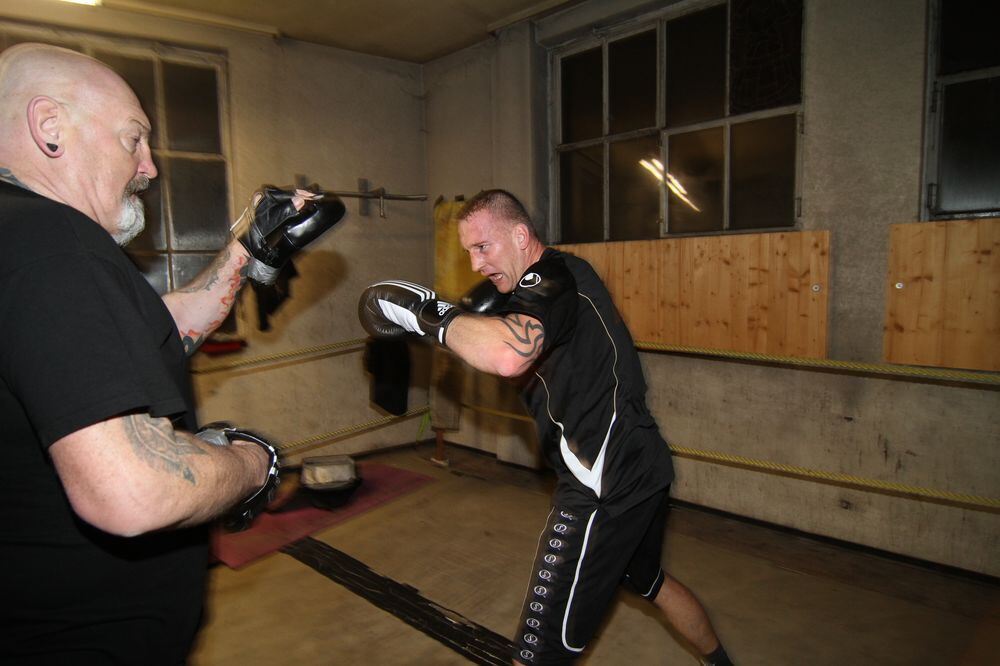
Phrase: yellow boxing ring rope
x=991 y=504
x=917 y=372
x=977 y=502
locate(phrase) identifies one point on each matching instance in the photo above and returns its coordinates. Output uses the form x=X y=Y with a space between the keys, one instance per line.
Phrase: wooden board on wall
x=763 y=293
x=943 y=294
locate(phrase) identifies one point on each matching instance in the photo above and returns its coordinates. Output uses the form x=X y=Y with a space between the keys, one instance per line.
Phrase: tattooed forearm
x=155 y=442
x=209 y=279
x=200 y=307
x=528 y=335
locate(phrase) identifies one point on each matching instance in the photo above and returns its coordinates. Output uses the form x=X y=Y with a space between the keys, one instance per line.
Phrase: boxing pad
x=277 y=230
x=483 y=299
x=224 y=434
x=394 y=308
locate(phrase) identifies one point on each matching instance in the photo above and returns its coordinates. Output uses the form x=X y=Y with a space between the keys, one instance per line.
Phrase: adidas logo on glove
x=443 y=307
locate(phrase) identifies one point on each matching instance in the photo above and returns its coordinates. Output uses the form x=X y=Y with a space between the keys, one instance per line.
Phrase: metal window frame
x=602 y=38
x=158 y=53
x=934 y=119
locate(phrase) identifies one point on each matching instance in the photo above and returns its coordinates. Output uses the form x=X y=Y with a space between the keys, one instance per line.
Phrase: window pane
x=695 y=168
x=155 y=269
x=696 y=67
x=154 y=237
x=200 y=218
x=969 y=35
x=582 y=195
x=192 y=106
x=969 y=167
x=582 y=99
x=762 y=164
x=186 y=267
x=634 y=196
x=632 y=82
x=765 y=54
x=138 y=73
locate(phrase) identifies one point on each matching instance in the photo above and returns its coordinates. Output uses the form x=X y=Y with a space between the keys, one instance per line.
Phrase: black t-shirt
x=587 y=393
x=83 y=338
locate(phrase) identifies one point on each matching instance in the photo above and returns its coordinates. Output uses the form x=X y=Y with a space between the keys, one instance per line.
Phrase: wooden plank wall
x=943 y=294
x=763 y=293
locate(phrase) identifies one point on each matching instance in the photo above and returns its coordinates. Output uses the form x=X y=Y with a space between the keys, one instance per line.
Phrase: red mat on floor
x=271 y=531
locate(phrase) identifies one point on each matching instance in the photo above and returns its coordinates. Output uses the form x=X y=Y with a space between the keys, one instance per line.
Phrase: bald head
x=73 y=79
x=73 y=131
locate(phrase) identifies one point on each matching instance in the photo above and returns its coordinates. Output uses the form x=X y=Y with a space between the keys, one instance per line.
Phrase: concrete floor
x=466 y=542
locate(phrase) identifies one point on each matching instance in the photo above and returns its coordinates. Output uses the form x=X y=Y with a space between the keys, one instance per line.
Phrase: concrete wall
x=487 y=127
x=333 y=116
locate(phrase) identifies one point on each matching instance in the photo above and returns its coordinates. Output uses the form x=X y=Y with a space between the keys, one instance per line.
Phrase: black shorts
x=581 y=560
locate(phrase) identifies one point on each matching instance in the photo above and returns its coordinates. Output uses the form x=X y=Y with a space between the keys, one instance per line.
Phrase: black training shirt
x=83 y=338
x=587 y=392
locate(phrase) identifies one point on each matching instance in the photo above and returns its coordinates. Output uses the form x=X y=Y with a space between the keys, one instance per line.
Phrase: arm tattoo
x=7 y=176
x=191 y=341
x=225 y=288
x=154 y=442
x=528 y=335
x=208 y=280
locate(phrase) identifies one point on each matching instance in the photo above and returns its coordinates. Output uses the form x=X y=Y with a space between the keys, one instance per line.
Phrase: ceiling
x=411 y=30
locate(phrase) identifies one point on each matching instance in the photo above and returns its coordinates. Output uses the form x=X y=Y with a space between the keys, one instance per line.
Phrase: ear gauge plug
x=52 y=147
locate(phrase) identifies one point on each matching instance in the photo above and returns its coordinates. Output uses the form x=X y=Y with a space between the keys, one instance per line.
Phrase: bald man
x=104 y=490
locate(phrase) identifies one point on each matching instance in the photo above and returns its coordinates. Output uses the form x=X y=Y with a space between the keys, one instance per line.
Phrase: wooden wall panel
x=943 y=294
x=747 y=292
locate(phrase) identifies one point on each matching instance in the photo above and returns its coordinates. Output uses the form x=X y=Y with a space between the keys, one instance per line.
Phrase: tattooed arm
x=201 y=306
x=505 y=346
x=134 y=474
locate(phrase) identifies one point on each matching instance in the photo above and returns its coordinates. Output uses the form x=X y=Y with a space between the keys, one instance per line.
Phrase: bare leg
x=685 y=614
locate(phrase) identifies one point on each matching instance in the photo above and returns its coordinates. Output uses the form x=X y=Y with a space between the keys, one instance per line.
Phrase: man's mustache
x=136 y=185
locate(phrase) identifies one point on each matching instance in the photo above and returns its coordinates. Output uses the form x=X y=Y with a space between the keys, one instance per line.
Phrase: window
x=962 y=167
x=187 y=205
x=686 y=123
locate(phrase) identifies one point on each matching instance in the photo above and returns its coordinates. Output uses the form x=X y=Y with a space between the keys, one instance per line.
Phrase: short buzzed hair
x=502 y=206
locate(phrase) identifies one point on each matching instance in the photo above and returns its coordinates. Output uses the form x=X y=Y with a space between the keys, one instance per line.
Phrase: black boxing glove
x=224 y=434
x=277 y=230
x=394 y=308
x=483 y=299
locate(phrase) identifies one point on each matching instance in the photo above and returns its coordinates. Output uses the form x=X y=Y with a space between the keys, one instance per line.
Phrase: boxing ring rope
x=280 y=356
x=991 y=504
x=975 y=502
x=350 y=430
x=911 y=371
x=918 y=372
x=351 y=345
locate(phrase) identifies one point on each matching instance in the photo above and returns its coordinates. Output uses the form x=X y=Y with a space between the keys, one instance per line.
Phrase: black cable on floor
x=471 y=640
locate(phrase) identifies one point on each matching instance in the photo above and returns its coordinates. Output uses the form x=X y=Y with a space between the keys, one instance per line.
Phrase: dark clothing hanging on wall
x=388 y=361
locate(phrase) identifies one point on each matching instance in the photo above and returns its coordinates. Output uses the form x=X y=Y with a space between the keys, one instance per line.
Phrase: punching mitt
x=223 y=434
x=277 y=229
x=483 y=299
x=394 y=308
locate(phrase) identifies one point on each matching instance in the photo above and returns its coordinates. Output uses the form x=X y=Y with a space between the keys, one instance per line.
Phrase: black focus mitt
x=277 y=229
x=224 y=434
